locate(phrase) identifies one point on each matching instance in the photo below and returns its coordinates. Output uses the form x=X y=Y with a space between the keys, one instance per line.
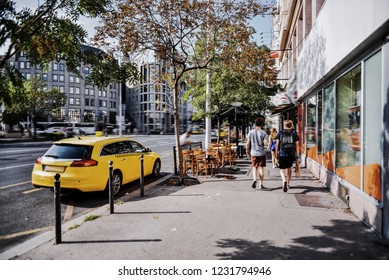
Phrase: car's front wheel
x=157 y=168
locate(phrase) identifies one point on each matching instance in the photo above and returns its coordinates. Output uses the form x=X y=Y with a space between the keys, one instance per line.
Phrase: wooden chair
x=215 y=156
x=188 y=160
x=228 y=155
x=202 y=163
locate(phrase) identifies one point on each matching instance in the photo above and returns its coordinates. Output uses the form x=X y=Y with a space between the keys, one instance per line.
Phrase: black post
x=142 y=178
x=175 y=160
x=57 y=207
x=111 y=195
x=236 y=128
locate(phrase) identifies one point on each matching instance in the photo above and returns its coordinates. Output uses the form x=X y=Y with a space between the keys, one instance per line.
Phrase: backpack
x=287 y=142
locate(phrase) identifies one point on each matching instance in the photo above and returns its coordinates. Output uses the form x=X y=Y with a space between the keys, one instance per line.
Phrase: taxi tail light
x=84 y=163
x=38 y=160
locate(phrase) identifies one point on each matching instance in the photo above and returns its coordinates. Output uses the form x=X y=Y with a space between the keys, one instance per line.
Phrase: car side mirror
x=148 y=150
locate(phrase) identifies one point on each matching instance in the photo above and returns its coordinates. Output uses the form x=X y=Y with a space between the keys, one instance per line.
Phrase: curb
x=36 y=241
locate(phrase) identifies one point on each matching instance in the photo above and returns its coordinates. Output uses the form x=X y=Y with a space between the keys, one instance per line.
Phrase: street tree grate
x=329 y=202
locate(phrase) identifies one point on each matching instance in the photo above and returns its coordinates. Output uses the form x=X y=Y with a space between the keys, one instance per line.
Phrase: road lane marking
x=16 y=166
x=14 y=185
x=32 y=190
x=27 y=232
x=23 y=150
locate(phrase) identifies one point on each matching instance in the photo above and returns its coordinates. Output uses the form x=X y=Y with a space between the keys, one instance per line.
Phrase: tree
x=46 y=34
x=171 y=28
x=32 y=99
x=248 y=76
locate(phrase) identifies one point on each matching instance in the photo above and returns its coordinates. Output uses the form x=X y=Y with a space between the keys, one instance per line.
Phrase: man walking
x=257 y=139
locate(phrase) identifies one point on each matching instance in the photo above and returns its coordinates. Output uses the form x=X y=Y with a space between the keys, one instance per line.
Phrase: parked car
x=83 y=163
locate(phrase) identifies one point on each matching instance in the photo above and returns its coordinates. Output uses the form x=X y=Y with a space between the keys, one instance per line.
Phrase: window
x=123 y=147
x=71 y=90
x=372 y=123
x=55 y=78
x=329 y=127
x=92 y=102
x=55 y=66
x=348 y=126
x=77 y=101
x=62 y=78
x=137 y=147
x=61 y=89
x=71 y=101
x=71 y=79
x=310 y=129
x=61 y=67
x=319 y=125
x=77 y=80
x=92 y=92
x=44 y=76
x=86 y=70
x=87 y=91
x=86 y=102
x=77 y=90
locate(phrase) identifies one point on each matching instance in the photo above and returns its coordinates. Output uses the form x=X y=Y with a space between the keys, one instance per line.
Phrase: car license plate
x=50 y=168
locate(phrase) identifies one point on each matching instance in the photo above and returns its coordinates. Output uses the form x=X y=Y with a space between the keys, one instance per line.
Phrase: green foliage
x=108 y=71
x=46 y=34
x=32 y=99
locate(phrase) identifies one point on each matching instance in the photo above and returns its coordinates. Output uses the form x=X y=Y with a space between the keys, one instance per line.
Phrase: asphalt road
x=27 y=211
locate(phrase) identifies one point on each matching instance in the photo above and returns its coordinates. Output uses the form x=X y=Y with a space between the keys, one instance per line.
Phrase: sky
x=260 y=23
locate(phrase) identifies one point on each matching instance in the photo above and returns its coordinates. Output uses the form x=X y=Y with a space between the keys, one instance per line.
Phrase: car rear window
x=69 y=152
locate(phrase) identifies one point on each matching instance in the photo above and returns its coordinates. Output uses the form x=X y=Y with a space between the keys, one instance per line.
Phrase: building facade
x=334 y=63
x=84 y=103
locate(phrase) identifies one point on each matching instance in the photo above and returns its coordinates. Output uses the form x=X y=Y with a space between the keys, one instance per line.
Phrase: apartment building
x=149 y=104
x=84 y=103
x=334 y=64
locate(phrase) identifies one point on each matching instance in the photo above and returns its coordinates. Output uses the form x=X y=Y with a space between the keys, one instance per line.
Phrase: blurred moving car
x=197 y=129
x=83 y=163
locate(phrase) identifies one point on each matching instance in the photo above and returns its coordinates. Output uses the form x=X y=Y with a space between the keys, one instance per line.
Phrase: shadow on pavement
x=343 y=240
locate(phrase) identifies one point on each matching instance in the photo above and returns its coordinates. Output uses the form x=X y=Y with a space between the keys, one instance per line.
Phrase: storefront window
x=372 y=124
x=310 y=132
x=329 y=127
x=319 y=126
x=348 y=126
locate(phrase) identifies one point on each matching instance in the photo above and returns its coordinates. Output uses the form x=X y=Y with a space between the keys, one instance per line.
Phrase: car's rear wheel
x=157 y=168
x=116 y=183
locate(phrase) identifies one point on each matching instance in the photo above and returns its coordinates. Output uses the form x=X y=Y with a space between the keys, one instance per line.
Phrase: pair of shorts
x=286 y=162
x=257 y=161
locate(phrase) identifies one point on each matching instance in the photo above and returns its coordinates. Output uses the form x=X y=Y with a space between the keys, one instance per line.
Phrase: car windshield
x=69 y=152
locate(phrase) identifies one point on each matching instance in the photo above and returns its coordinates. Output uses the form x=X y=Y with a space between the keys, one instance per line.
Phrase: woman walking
x=272 y=146
x=287 y=150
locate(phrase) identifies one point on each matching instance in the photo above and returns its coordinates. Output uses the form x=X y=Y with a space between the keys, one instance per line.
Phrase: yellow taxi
x=83 y=163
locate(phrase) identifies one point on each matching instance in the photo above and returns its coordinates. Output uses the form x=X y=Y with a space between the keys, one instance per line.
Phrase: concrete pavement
x=221 y=218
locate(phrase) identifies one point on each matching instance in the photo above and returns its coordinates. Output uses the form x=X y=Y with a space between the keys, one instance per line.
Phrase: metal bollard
x=142 y=178
x=57 y=207
x=111 y=194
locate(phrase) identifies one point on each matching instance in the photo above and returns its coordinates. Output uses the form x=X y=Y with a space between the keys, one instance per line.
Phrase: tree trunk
x=176 y=117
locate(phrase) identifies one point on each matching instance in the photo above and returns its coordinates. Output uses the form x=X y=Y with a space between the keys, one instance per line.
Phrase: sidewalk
x=219 y=219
